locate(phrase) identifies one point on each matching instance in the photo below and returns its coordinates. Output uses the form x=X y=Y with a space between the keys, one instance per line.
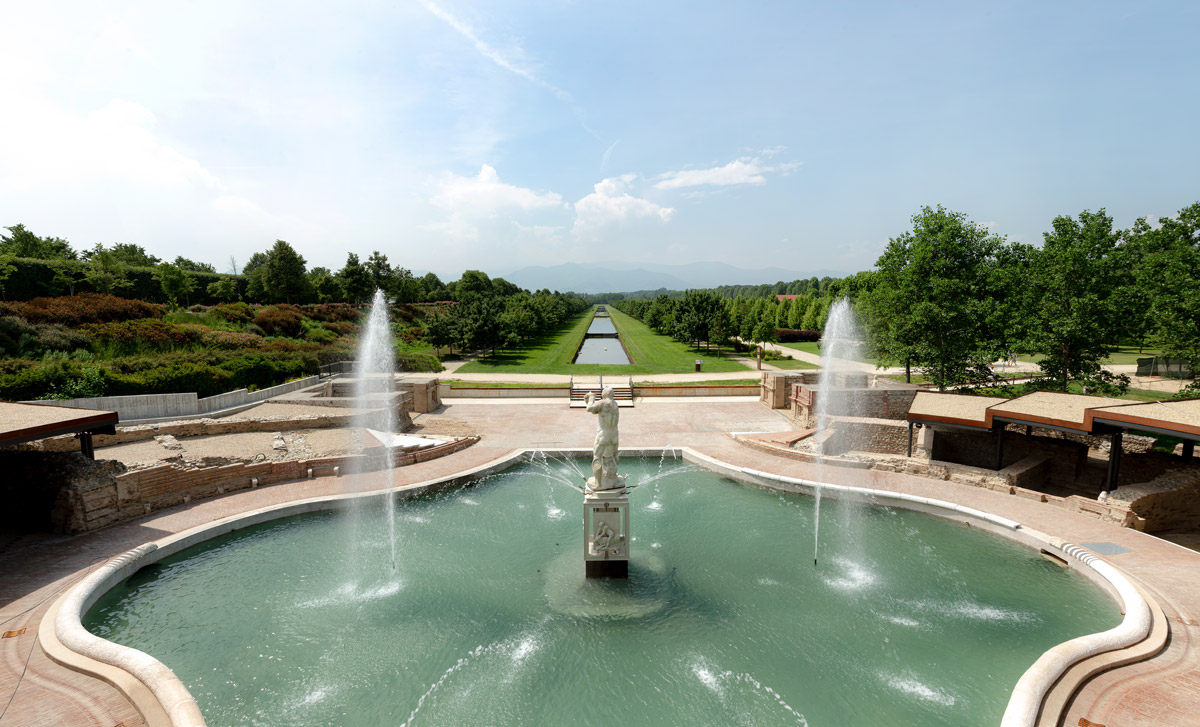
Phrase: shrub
x=35 y=381
x=147 y=333
x=61 y=338
x=280 y=320
x=333 y=312
x=320 y=335
x=75 y=310
x=17 y=336
x=418 y=362
x=261 y=371
x=89 y=383
x=230 y=340
x=232 y=312
x=788 y=335
x=340 y=328
x=201 y=378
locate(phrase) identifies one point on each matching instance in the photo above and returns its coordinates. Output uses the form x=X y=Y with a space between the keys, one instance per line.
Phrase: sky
x=454 y=135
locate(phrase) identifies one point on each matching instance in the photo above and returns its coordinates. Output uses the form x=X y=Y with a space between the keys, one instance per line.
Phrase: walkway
x=1163 y=692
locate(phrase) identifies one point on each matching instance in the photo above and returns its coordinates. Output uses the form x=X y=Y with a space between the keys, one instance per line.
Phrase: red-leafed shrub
x=229 y=340
x=232 y=312
x=290 y=346
x=342 y=328
x=280 y=320
x=788 y=335
x=144 y=333
x=333 y=312
x=75 y=310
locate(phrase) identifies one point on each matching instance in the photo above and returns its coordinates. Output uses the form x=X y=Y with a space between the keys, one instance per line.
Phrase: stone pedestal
x=606 y=533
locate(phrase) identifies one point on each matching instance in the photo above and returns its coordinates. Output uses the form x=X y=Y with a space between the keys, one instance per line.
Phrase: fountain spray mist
x=374 y=389
x=839 y=341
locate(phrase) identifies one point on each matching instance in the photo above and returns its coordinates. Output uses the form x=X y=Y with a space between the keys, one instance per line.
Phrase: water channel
x=601 y=343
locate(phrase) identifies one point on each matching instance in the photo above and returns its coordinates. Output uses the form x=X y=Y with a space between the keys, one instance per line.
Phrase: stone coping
x=1181 y=416
x=164 y=701
x=25 y=422
x=1051 y=408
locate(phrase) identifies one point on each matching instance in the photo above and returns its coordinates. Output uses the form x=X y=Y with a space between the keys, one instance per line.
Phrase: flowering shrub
x=280 y=320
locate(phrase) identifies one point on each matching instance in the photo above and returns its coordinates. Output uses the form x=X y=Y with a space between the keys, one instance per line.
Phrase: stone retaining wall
x=101 y=501
x=163 y=406
x=198 y=428
x=1005 y=480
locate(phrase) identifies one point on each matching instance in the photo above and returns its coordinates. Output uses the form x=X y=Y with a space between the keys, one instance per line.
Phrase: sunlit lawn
x=651 y=353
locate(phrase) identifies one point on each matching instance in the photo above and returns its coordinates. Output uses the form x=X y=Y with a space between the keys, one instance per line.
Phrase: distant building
x=781 y=296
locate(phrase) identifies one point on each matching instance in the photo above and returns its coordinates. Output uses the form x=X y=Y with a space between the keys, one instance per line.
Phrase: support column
x=1189 y=449
x=1114 y=462
x=85 y=445
x=1000 y=448
x=910 y=437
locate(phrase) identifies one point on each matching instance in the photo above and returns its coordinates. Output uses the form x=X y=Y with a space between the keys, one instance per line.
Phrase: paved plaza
x=37 y=569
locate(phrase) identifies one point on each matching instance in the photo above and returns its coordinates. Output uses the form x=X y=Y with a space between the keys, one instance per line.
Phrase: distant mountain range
x=629 y=277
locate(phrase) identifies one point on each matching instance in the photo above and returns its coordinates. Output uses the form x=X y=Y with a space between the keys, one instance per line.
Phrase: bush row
x=788 y=335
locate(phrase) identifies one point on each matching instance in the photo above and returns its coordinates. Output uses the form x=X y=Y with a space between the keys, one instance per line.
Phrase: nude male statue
x=604 y=451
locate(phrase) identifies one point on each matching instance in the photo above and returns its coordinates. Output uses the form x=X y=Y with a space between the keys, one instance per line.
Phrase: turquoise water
x=908 y=620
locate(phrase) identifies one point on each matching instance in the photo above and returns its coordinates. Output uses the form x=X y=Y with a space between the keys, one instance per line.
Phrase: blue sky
x=453 y=135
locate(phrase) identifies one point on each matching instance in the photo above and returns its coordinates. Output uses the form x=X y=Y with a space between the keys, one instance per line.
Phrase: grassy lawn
x=512 y=385
x=552 y=354
x=814 y=347
x=1130 y=355
x=791 y=364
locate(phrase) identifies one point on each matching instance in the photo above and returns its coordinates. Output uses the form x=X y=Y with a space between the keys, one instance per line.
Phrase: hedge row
x=36 y=278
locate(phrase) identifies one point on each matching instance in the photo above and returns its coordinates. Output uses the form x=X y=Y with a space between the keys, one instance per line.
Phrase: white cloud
x=485 y=194
x=610 y=203
x=740 y=171
x=745 y=170
x=472 y=201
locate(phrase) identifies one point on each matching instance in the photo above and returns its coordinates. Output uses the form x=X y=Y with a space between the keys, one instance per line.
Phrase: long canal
x=601 y=343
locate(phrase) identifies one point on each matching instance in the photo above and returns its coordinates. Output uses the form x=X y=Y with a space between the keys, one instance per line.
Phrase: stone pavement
x=1162 y=691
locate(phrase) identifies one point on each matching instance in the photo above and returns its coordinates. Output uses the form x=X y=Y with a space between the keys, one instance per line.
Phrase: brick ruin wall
x=877 y=403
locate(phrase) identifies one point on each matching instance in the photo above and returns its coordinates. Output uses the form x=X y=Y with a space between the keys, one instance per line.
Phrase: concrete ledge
x=75 y=647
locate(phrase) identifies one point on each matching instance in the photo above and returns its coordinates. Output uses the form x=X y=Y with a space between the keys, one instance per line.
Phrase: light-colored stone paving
x=1162 y=691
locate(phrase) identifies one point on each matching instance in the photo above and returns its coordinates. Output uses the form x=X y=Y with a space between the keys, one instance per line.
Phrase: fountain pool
x=487 y=618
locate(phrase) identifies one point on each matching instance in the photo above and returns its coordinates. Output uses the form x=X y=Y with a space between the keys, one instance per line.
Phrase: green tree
x=380 y=271
x=184 y=264
x=105 y=271
x=1071 y=319
x=355 y=280
x=284 y=277
x=324 y=285
x=224 y=290
x=931 y=304
x=20 y=242
x=176 y=283
x=135 y=256
x=1170 y=275
x=404 y=286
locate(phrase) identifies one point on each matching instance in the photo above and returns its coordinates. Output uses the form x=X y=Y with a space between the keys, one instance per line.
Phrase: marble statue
x=604 y=451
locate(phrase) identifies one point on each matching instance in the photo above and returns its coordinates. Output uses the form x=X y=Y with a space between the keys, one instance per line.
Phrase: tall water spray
x=374 y=389
x=839 y=343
